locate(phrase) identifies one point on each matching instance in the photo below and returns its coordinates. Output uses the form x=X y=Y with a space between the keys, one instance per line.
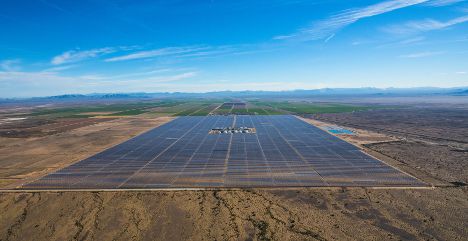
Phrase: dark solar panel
x=284 y=151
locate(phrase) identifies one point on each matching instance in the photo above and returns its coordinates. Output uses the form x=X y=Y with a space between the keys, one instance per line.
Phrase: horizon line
x=238 y=91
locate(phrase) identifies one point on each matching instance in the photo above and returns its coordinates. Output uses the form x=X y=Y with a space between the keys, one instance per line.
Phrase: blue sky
x=52 y=47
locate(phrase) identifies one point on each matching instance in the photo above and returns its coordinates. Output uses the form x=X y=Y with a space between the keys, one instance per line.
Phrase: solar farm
x=284 y=151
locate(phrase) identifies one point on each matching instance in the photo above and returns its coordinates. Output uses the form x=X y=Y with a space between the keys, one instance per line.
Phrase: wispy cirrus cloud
x=51 y=83
x=405 y=42
x=140 y=74
x=422 y=54
x=326 y=28
x=60 y=68
x=412 y=40
x=158 y=79
x=187 y=51
x=33 y=77
x=155 y=53
x=52 y=77
x=440 y=3
x=425 y=25
x=72 y=56
x=10 y=64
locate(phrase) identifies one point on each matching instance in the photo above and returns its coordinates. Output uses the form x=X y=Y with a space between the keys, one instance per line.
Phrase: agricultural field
x=239 y=108
x=54 y=119
x=117 y=109
x=296 y=107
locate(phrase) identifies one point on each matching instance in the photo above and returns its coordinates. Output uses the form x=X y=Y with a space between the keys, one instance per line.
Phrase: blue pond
x=339 y=130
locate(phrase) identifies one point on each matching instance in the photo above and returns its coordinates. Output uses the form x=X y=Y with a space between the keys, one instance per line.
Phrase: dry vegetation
x=301 y=214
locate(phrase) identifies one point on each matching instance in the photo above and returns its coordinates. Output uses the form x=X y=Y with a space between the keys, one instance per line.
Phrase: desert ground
x=429 y=143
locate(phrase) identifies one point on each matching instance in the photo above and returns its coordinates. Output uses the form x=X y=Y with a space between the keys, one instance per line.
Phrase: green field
x=286 y=107
x=196 y=107
x=128 y=112
x=121 y=109
x=311 y=108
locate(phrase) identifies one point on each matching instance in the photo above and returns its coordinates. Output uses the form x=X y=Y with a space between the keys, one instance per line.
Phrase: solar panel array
x=284 y=152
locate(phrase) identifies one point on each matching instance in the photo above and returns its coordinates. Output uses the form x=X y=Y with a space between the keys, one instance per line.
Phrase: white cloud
x=157 y=52
x=440 y=3
x=60 y=68
x=329 y=38
x=412 y=40
x=54 y=75
x=148 y=84
x=461 y=72
x=408 y=41
x=424 y=25
x=179 y=52
x=35 y=77
x=140 y=74
x=211 y=52
x=52 y=83
x=422 y=54
x=10 y=64
x=325 y=28
x=72 y=56
x=157 y=79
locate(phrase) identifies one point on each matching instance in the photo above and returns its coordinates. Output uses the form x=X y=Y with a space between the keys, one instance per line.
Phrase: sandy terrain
x=431 y=140
x=370 y=141
x=23 y=159
x=252 y=214
x=302 y=214
x=443 y=162
x=361 y=136
x=443 y=125
x=44 y=127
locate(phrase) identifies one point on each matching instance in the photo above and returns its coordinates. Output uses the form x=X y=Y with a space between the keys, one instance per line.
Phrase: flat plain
x=284 y=151
x=253 y=213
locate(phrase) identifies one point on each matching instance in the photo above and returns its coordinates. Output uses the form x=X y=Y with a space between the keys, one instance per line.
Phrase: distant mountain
x=461 y=92
x=326 y=92
x=71 y=96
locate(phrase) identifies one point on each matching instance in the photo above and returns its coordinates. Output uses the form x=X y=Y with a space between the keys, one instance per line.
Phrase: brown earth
x=360 y=136
x=257 y=214
x=301 y=214
x=444 y=162
x=431 y=140
x=44 y=127
x=24 y=159
x=435 y=124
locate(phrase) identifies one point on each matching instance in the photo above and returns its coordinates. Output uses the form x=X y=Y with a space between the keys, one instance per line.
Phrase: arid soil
x=437 y=213
x=44 y=127
x=302 y=214
x=435 y=124
x=360 y=136
x=23 y=159
x=432 y=140
x=444 y=162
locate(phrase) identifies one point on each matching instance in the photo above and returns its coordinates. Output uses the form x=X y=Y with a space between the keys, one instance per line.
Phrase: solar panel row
x=285 y=151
